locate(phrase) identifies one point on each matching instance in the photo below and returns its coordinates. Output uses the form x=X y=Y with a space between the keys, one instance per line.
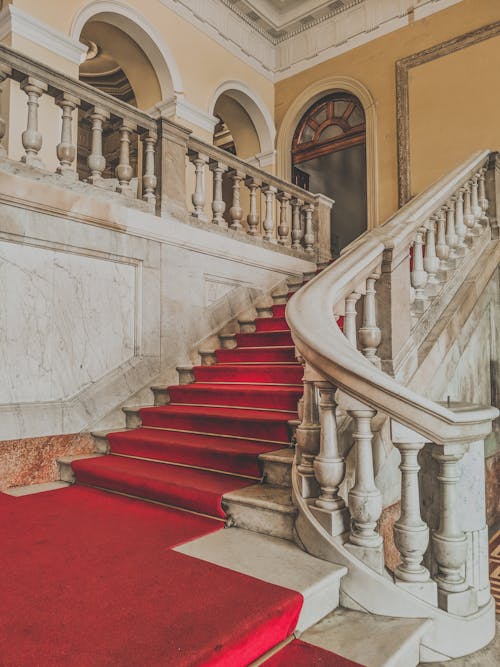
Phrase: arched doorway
x=329 y=156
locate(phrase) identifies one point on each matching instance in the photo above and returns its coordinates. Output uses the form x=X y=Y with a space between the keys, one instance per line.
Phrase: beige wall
x=442 y=128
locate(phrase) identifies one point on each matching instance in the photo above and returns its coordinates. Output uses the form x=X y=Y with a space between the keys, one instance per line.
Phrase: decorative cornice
x=181 y=109
x=15 y=20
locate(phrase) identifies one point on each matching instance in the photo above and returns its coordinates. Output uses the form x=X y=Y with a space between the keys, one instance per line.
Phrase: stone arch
x=142 y=32
x=255 y=108
x=299 y=106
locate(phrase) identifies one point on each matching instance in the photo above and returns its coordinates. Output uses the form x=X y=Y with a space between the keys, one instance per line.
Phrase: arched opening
x=329 y=156
x=235 y=131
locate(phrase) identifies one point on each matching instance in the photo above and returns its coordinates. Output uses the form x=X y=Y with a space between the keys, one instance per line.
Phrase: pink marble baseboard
x=388 y=517
x=34 y=460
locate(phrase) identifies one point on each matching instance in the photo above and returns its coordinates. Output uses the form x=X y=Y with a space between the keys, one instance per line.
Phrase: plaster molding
x=300 y=105
x=262 y=160
x=403 y=66
x=19 y=22
x=178 y=107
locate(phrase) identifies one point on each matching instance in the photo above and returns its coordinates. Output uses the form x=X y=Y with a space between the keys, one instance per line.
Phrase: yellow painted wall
x=443 y=94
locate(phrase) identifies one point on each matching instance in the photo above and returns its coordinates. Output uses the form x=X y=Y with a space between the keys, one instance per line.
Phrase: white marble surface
x=65 y=321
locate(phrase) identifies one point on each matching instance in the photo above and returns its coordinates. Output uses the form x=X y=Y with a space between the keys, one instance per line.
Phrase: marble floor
x=487 y=657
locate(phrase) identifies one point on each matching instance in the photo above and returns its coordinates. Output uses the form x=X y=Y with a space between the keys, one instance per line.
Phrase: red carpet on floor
x=88 y=578
x=301 y=654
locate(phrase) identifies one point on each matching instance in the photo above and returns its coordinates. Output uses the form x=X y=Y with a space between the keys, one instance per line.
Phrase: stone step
x=280 y=297
x=66 y=471
x=277 y=467
x=101 y=439
x=132 y=416
x=367 y=639
x=263 y=508
x=277 y=562
x=30 y=489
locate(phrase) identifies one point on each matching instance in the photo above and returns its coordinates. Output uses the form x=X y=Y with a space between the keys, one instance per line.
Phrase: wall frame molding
x=403 y=66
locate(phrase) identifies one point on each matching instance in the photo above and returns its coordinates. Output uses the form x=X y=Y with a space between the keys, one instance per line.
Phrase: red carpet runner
x=302 y=654
x=207 y=440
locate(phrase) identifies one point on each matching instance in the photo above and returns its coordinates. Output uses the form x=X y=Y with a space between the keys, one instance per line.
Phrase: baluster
x=308 y=437
x=449 y=543
x=283 y=227
x=369 y=334
x=350 y=318
x=468 y=214
x=451 y=237
x=460 y=227
x=419 y=275
x=218 y=204
x=235 y=212
x=329 y=467
x=297 y=231
x=31 y=137
x=149 y=180
x=124 y=171
x=96 y=160
x=411 y=534
x=442 y=250
x=365 y=500
x=269 y=192
x=66 y=149
x=476 y=209
x=483 y=201
x=253 y=218
x=308 y=210
x=199 y=160
x=5 y=73
x=431 y=261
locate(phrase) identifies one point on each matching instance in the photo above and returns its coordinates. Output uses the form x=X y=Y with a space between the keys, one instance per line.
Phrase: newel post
x=393 y=304
x=171 y=154
x=322 y=223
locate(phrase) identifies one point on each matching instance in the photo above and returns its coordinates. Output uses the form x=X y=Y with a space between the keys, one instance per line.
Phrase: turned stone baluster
x=96 y=161
x=5 y=72
x=442 y=250
x=411 y=534
x=477 y=211
x=149 y=180
x=31 y=137
x=369 y=334
x=199 y=160
x=350 y=318
x=449 y=543
x=419 y=275
x=218 y=204
x=268 y=225
x=451 y=237
x=460 y=228
x=308 y=210
x=431 y=260
x=235 y=212
x=283 y=227
x=124 y=171
x=308 y=437
x=483 y=201
x=297 y=231
x=253 y=184
x=365 y=500
x=329 y=467
x=66 y=149
x=468 y=214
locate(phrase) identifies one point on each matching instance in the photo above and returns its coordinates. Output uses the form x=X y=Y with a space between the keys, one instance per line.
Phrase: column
x=369 y=334
x=31 y=137
x=269 y=192
x=218 y=204
x=66 y=149
x=149 y=180
x=235 y=212
x=96 y=161
x=283 y=227
x=297 y=231
x=253 y=218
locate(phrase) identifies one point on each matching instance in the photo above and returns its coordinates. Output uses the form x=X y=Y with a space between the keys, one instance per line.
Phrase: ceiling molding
x=326 y=36
x=19 y=22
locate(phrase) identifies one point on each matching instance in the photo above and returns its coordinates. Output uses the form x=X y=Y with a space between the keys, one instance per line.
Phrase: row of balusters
x=297 y=235
x=32 y=140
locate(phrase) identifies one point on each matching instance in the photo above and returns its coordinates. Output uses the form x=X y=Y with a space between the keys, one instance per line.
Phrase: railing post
x=283 y=227
x=218 y=204
x=270 y=193
x=329 y=467
x=235 y=212
x=253 y=184
x=5 y=72
x=171 y=169
x=297 y=231
x=149 y=180
x=31 y=137
x=66 y=149
x=96 y=160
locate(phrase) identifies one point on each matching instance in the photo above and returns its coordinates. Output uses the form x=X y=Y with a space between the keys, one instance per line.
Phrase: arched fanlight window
x=333 y=123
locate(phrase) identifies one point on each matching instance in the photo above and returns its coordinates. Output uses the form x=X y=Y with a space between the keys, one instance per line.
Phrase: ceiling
x=278 y=19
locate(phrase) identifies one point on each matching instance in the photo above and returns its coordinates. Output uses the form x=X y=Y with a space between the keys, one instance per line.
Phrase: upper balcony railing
x=158 y=173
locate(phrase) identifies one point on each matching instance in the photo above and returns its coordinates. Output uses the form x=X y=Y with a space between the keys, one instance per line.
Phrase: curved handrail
x=322 y=344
